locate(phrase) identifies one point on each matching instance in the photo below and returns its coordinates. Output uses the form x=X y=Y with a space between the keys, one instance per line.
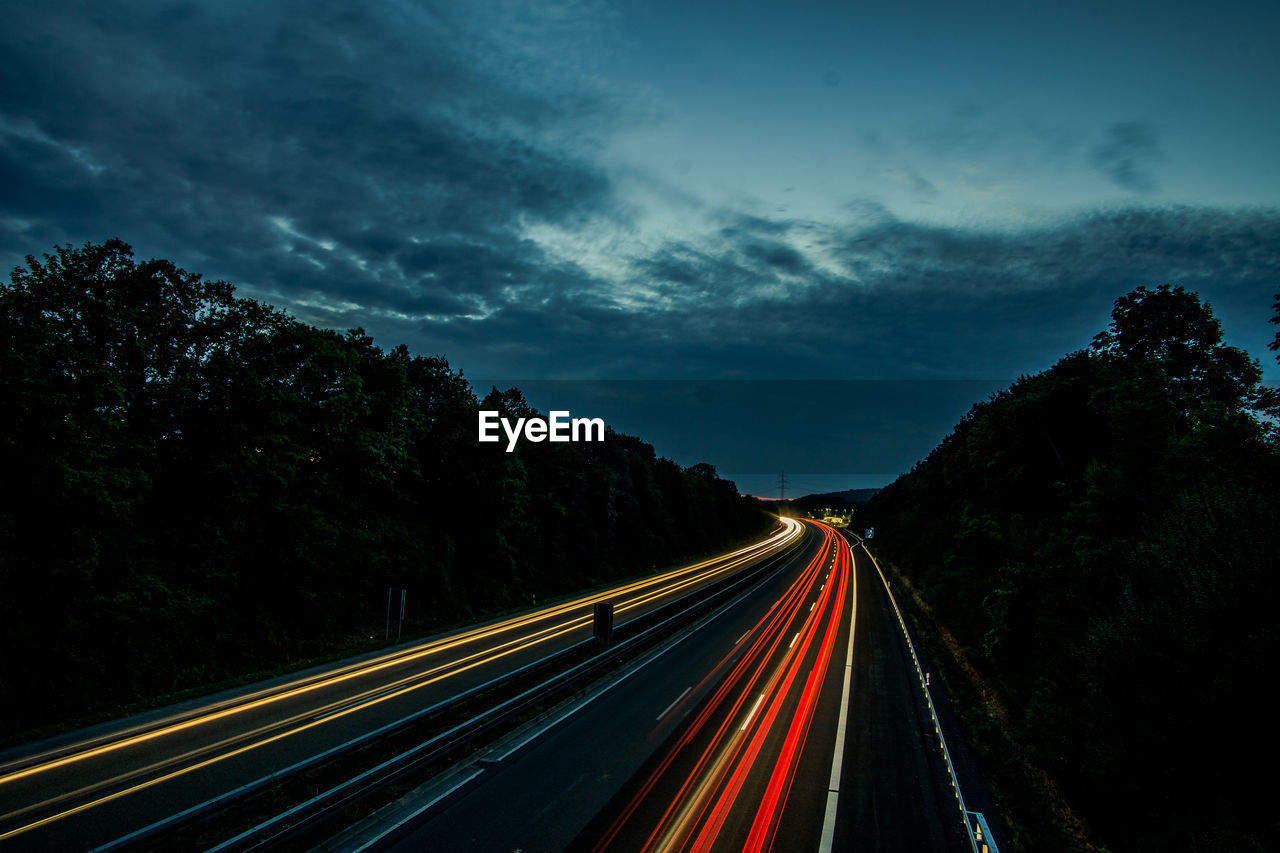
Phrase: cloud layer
x=437 y=174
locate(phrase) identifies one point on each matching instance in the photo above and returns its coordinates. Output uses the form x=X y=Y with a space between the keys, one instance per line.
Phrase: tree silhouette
x=200 y=485
x=1100 y=536
x=1171 y=330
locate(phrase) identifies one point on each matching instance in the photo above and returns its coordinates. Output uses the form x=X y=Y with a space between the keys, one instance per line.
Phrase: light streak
x=751 y=713
x=769 y=625
x=642 y=591
x=769 y=814
x=694 y=818
x=674 y=702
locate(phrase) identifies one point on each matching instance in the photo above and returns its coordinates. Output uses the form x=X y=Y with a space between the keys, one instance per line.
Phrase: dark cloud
x=1125 y=155
x=684 y=266
x=880 y=298
x=739 y=267
x=777 y=256
x=746 y=223
x=382 y=166
x=315 y=152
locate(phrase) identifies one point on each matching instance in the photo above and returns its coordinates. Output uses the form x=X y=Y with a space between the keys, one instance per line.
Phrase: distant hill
x=846 y=498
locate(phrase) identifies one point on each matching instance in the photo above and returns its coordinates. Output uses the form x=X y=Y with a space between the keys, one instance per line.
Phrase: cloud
x=776 y=256
x=397 y=167
x=313 y=152
x=888 y=297
x=878 y=297
x=1125 y=155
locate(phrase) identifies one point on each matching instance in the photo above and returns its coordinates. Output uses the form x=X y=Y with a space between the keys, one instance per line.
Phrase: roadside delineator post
x=391 y=596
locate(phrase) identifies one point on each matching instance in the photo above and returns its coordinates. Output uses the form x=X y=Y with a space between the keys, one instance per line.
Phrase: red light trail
x=735 y=762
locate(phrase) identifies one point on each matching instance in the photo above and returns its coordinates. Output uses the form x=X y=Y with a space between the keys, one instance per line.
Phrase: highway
x=103 y=785
x=765 y=727
x=725 y=781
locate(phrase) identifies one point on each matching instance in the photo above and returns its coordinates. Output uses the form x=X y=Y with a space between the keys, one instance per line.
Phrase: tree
x=200 y=485
x=1171 y=330
x=1274 y=346
x=1097 y=537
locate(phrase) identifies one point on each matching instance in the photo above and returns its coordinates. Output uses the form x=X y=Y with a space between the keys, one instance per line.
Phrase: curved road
x=740 y=734
x=91 y=789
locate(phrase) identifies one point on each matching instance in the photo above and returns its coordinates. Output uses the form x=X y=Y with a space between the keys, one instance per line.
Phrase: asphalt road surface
x=96 y=786
x=731 y=738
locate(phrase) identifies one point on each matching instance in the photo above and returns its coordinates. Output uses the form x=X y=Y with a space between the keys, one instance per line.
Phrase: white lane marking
x=793 y=639
x=640 y=665
x=754 y=708
x=837 y=758
x=673 y=704
x=743 y=637
x=828 y=820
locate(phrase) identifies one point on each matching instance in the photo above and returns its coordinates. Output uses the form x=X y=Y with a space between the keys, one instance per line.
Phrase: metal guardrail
x=249 y=788
x=981 y=833
x=306 y=814
x=924 y=686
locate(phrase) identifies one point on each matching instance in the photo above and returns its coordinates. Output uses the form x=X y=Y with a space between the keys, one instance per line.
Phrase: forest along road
x=726 y=740
x=100 y=785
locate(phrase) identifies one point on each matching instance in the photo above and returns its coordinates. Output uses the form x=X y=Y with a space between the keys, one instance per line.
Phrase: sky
x=909 y=193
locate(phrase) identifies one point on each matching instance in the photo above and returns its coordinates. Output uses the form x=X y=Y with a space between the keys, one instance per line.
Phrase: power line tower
x=782 y=485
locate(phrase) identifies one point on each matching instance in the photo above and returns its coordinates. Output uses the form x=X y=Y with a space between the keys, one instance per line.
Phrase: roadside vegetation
x=1102 y=541
x=199 y=486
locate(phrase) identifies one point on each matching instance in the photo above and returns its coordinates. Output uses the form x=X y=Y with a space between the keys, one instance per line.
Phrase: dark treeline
x=1102 y=538
x=198 y=485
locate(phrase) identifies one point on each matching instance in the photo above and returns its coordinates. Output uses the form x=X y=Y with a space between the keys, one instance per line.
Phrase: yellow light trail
x=667 y=583
x=297 y=688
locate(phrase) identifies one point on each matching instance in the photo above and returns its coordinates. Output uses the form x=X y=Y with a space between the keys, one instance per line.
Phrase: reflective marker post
x=404 y=593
